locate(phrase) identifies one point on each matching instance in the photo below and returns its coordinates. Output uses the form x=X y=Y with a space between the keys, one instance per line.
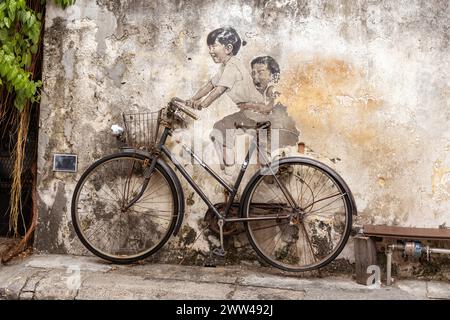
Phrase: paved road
x=72 y=277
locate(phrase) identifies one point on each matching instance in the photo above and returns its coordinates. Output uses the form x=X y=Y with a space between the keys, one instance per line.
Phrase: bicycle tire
x=97 y=198
x=308 y=233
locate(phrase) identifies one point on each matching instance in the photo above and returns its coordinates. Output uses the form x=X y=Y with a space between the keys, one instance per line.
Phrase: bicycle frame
x=161 y=148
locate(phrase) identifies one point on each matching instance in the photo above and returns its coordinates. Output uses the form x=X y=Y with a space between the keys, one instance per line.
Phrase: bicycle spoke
x=153 y=215
x=309 y=242
x=323 y=199
x=279 y=237
x=308 y=184
x=95 y=230
x=326 y=204
x=323 y=185
x=277 y=196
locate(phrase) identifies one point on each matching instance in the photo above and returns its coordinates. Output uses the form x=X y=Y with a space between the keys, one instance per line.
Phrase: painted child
x=266 y=74
x=232 y=78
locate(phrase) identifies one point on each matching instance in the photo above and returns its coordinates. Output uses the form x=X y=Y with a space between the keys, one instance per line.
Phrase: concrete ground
x=73 y=277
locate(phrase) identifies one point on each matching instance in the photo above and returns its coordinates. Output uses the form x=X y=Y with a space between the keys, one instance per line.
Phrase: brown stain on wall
x=340 y=114
x=440 y=181
x=330 y=96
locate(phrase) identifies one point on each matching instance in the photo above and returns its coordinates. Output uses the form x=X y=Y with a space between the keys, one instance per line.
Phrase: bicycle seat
x=259 y=125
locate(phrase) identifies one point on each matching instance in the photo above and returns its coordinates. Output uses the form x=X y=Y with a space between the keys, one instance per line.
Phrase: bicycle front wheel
x=100 y=215
x=309 y=208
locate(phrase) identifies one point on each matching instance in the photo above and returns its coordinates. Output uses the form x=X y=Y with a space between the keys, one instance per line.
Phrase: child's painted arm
x=195 y=101
x=215 y=93
x=203 y=91
x=267 y=107
x=258 y=107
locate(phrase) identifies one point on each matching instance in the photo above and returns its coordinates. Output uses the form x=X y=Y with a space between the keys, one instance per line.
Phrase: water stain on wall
x=335 y=106
x=330 y=96
x=440 y=181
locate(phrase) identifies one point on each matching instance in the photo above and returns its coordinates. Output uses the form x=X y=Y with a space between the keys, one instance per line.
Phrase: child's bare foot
x=228 y=170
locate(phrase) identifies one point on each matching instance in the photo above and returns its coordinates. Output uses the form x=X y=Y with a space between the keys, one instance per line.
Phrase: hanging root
x=16 y=188
x=22 y=245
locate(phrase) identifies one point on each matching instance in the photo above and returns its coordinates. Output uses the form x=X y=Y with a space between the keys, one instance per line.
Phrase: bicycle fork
x=147 y=175
x=149 y=171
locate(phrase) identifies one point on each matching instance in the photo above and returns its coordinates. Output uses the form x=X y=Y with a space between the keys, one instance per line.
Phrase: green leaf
x=7 y=22
x=34 y=48
x=26 y=59
x=19 y=102
x=21 y=4
x=25 y=17
x=16 y=81
x=32 y=20
x=11 y=75
x=2 y=70
x=3 y=35
x=19 y=15
x=12 y=10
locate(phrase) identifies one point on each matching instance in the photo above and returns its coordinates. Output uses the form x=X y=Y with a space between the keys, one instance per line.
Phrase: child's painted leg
x=228 y=156
x=220 y=154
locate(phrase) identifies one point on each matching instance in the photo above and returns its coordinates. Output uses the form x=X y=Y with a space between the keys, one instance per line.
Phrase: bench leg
x=388 y=266
x=365 y=256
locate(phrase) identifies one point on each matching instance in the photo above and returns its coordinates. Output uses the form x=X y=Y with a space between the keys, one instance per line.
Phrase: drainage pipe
x=437 y=250
x=409 y=248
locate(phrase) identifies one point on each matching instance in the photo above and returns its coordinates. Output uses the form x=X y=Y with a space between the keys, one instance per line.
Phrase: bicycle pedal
x=210 y=262
x=219 y=252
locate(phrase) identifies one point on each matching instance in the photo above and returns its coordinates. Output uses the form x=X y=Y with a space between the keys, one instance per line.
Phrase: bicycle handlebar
x=180 y=104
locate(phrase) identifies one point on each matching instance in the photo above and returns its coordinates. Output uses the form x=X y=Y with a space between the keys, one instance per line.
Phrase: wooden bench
x=406 y=232
x=365 y=249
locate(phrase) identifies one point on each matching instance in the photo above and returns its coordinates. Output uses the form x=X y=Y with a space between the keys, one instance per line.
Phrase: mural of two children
x=253 y=93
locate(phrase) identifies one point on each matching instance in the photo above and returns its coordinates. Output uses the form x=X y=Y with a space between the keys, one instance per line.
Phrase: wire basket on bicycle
x=143 y=129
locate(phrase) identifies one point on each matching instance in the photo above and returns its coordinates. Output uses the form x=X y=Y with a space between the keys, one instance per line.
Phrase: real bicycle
x=296 y=211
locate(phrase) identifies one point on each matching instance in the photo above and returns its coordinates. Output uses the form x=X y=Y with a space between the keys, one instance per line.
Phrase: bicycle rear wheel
x=102 y=221
x=304 y=235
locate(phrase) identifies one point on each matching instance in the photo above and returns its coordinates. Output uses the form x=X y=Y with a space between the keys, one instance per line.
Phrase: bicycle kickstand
x=220 y=251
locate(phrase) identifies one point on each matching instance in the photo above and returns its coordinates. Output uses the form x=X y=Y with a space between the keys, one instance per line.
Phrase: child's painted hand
x=195 y=104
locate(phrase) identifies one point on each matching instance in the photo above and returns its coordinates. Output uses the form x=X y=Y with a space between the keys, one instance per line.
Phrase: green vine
x=20 y=31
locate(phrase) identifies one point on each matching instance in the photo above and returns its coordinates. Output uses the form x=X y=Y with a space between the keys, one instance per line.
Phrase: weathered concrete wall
x=366 y=81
